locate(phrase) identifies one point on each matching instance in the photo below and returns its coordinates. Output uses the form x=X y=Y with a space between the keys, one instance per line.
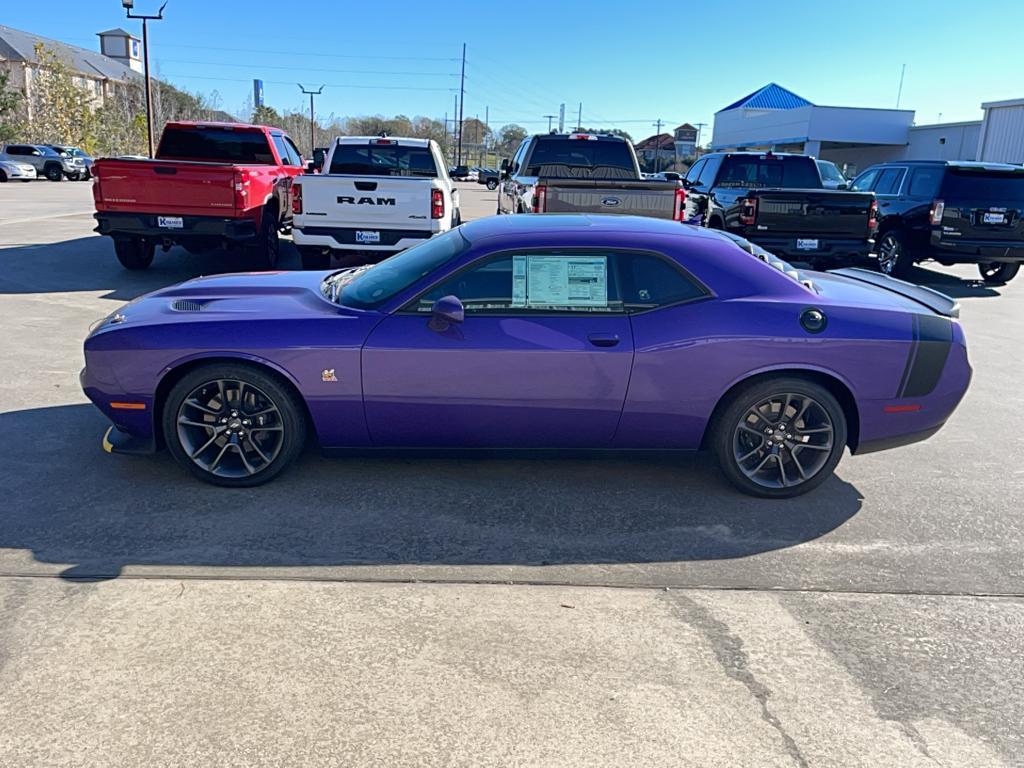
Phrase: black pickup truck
x=777 y=200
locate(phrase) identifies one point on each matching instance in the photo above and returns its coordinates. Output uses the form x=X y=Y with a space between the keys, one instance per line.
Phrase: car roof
x=567 y=136
x=402 y=140
x=949 y=164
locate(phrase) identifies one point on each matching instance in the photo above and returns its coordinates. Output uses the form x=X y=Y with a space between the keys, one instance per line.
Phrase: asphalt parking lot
x=493 y=611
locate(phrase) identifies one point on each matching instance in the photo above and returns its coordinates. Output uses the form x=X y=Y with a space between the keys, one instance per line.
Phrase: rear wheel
x=779 y=437
x=54 y=172
x=268 y=242
x=893 y=258
x=997 y=273
x=314 y=258
x=492 y=184
x=3 y=177
x=233 y=425
x=134 y=253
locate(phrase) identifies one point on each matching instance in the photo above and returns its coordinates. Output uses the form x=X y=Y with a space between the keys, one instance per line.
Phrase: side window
x=532 y=282
x=517 y=160
x=694 y=172
x=889 y=181
x=647 y=281
x=924 y=182
x=866 y=181
x=293 y=152
x=16 y=150
x=709 y=171
x=282 y=150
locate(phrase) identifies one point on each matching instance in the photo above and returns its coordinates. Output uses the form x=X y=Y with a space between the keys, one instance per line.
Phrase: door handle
x=603 y=339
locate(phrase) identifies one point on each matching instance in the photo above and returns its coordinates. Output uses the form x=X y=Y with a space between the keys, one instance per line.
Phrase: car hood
x=240 y=296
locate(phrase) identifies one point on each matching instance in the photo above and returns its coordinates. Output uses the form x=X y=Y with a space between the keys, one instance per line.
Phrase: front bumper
x=116 y=441
x=132 y=430
x=193 y=227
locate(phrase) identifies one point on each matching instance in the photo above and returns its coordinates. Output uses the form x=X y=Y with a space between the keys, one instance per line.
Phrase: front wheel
x=893 y=258
x=779 y=437
x=54 y=173
x=134 y=253
x=233 y=425
x=998 y=273
x=492 y=185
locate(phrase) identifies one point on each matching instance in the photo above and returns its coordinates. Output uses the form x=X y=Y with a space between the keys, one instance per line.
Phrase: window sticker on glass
x=560 y=281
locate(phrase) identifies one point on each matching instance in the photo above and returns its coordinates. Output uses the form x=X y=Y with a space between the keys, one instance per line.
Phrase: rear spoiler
x=939 y=303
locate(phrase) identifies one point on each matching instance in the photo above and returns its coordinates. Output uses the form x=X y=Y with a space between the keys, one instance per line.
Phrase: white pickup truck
x=378 y=195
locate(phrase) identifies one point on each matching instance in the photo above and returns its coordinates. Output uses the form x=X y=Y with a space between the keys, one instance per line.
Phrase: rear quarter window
x=989 y=186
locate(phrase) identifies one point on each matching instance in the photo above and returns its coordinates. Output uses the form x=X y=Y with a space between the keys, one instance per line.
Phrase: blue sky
x=629 y=64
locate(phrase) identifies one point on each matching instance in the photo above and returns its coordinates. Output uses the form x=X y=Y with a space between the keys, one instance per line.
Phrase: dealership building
x=854 y=137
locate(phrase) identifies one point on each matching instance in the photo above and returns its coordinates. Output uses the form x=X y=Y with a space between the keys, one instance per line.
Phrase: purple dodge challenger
x=559 y=331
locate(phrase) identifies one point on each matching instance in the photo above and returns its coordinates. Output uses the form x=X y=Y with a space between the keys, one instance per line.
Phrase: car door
x=542 y=359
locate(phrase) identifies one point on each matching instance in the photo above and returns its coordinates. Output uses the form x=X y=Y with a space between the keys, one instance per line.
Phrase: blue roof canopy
x=771 y=96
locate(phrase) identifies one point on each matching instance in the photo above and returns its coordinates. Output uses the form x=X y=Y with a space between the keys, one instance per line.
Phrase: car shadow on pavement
x=70 y=504
x=89 y=264
x=952 y=285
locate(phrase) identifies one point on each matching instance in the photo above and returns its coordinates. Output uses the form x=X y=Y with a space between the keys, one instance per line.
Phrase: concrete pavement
x=847 y=627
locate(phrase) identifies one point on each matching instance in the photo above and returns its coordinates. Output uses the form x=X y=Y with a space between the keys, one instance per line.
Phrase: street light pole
x=128 y=5
x=312 y=123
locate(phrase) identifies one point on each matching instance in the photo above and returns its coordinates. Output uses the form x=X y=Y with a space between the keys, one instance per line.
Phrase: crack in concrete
x=728 y=649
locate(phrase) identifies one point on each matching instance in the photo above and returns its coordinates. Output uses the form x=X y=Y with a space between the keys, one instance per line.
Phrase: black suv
x=954 y=212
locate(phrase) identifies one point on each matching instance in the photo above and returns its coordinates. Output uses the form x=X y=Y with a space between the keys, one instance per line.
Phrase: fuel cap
x=813 y=320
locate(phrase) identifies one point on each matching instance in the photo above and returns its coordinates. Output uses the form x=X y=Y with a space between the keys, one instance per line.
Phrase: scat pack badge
x=327 y=375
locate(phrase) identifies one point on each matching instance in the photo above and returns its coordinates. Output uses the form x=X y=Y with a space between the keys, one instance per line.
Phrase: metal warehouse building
x=773 y=117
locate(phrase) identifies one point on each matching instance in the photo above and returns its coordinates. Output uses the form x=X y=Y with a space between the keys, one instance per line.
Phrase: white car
x=377 y=195
x=10 y=169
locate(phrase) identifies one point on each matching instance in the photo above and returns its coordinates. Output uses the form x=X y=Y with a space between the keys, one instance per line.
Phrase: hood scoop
x=188 y=305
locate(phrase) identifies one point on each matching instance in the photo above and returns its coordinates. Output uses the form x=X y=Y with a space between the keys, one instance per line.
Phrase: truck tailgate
x=655 y=199
x=374 y=202
x=824 y=213
x=165 y=187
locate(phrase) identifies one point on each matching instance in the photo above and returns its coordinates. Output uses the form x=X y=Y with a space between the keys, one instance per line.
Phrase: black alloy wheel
x=780 y=438
x=998 y=273
x=233 y=425
x=893 y=258
x=54 y=172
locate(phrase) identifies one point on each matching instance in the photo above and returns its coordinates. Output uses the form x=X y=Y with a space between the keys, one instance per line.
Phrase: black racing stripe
x=936 y=338
x=911 y=354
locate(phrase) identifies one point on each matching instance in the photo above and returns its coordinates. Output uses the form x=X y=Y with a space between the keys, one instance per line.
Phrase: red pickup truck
x=211 y=184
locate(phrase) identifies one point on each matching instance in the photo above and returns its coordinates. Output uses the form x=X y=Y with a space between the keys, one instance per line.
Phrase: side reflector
x=901 y=408
x=129 y=406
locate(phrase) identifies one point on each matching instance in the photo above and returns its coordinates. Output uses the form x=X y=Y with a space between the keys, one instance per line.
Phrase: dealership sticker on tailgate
x=170 y=222
x=803 y=244
x=366 y=236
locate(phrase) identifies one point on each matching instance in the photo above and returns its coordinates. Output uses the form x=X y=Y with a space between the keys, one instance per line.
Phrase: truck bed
x=656 y=199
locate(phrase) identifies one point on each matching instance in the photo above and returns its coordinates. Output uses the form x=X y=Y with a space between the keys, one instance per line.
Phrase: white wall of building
x=1002 y=132
x=944 y=141
x=749 y=127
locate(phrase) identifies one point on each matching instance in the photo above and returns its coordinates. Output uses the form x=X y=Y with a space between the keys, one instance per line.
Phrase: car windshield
x=222 y=145
x=751 y=171
x=383 y=160
x=370 y=286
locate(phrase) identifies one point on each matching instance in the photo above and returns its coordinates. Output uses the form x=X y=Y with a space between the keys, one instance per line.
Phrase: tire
x=134 y=253
x=233 y=424
x=998 y=273
x=314 y=258
x=267 y=248
x=3 y=177
x=73 y=176
x=740 y=439
x=492 y=185
x=893 y=257
x=456 y=218
x=54 y=172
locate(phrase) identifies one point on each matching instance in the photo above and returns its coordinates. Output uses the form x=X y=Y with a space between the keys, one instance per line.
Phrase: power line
x=289 y=82
x=260 y=65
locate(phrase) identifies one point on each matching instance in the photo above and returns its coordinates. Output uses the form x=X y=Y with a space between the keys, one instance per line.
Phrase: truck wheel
x=134 y=254
x=268 y=243
x=54 y=172
x=996 y=273
x=492 y=184
x=314 y=258
x=893 y=258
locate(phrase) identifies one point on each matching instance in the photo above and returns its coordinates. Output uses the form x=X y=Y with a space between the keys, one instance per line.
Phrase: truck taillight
x=748 y=211
x=242 y=189
x=296 y=198
x=540 y=199
x=936 y=211
x=436 y=204
x=873 y=217
x=679 y=212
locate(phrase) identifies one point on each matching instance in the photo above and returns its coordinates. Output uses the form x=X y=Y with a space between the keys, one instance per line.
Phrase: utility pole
x=579 y=118
x=487 y=129
x=312 y=115
x=657 y=144
x=462 y=99
x=899 y=92
x=696 y=148
x=456 y=130
x=550 y=118
x=128 y=5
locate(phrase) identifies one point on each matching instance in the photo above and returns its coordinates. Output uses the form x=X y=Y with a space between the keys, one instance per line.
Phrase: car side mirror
x=843 y=185
x=311 y=166
x=447 y=311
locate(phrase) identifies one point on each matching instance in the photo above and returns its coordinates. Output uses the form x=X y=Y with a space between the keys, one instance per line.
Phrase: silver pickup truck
x=583 y=173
